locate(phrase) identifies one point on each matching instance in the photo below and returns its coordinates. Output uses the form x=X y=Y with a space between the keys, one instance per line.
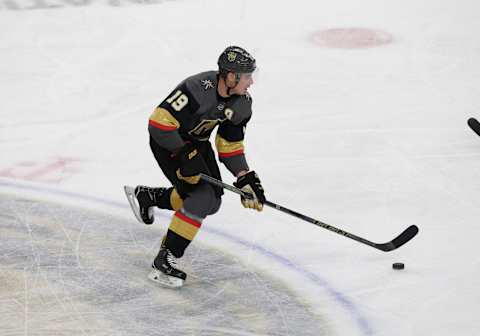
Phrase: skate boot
x=164 y=270
x=142 y=199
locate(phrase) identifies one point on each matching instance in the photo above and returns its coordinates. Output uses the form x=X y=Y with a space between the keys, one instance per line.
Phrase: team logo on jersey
x=231 y=56
x=207 y=84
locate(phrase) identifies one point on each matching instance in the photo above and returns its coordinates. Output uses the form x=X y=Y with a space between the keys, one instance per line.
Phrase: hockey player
x=180 y=128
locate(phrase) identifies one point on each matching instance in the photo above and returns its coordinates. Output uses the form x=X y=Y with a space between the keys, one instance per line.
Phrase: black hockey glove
x=191 y=164
x=250 y=183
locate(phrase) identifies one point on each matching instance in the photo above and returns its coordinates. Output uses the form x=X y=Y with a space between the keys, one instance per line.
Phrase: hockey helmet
x=236 y=59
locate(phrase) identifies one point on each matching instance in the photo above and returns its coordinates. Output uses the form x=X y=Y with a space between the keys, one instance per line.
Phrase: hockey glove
x=250 y=183
x=191 y=164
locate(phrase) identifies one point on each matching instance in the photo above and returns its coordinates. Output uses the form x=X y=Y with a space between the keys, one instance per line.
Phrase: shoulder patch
x=207 y=84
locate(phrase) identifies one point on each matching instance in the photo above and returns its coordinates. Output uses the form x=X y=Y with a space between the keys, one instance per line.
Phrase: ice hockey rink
x=360 y=111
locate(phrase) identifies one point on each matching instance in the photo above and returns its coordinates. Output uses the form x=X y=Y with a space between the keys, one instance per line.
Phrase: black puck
x=398 y=266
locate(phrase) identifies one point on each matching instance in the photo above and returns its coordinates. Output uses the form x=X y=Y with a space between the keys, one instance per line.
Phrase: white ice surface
x=369 y=140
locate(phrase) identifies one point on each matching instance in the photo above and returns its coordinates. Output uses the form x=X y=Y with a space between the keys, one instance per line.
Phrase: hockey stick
x=401 y=239
x=474 y=125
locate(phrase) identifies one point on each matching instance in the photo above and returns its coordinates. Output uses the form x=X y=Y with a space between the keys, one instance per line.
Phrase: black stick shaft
x=404 y=237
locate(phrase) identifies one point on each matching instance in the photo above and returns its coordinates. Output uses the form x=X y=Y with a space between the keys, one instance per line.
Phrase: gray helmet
x=237 y=60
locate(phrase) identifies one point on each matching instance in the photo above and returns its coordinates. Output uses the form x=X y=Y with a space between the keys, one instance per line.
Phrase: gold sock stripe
x=175 y=200
x=184 y=226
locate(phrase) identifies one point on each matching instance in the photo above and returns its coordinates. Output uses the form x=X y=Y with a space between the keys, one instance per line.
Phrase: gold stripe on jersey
x=175 y=200
x=227 y=148
x=184 y=226
x=163 y=120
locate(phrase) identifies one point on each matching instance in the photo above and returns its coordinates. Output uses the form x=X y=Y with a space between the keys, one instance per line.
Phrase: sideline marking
x=362 y=322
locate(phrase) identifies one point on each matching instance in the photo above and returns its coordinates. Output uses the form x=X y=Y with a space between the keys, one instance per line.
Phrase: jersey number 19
x=178 y=100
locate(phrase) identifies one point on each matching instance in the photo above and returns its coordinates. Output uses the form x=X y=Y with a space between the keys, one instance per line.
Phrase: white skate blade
x=165 y=280
x=130 y=193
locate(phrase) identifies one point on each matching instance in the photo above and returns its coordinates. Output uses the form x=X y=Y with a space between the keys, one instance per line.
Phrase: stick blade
x=400 y=240
x=474 y=125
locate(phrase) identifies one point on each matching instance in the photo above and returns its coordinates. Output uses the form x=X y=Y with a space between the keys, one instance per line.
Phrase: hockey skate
x=164 y=271
x=142 y=199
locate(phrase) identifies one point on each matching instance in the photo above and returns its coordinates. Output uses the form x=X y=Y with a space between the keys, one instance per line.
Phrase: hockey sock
x=180 y=233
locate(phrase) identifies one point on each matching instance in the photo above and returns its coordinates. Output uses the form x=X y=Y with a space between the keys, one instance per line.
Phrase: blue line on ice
x=338 y=296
